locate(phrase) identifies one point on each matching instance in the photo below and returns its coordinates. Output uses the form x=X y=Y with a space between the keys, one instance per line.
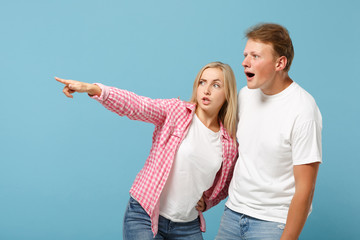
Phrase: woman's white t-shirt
x=196 y=163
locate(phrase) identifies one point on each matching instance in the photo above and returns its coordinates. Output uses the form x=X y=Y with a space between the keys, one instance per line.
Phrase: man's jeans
x=237 y=226
x=137 y=226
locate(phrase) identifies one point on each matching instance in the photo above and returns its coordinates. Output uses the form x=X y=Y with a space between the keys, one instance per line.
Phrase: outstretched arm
x=72 y=86
x=122 y=102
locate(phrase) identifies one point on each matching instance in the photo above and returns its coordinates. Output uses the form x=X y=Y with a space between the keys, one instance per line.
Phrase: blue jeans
x=237 y=226
x=137 y=226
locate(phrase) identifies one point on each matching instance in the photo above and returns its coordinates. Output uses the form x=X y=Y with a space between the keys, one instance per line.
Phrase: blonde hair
x=227 y=114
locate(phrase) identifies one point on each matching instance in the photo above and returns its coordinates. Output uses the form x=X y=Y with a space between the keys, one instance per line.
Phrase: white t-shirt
x=274 y=133
x=196 y=163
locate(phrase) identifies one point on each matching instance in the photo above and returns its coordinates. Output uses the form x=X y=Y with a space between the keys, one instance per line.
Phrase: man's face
x=259 y=65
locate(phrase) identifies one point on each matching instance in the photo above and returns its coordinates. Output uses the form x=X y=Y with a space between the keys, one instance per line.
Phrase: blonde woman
x=192 y=156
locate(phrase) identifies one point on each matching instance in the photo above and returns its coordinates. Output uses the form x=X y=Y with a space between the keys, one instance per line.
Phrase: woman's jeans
x=237 y=226
x=137 y=226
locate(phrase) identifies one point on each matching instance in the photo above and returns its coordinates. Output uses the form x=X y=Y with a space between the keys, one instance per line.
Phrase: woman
x=192 y=155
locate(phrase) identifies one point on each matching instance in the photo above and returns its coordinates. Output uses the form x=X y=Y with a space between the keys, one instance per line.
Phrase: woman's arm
x=221 y=182
x=122 y=102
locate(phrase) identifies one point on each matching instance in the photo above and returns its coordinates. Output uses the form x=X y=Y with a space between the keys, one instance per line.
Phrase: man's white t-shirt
x=196 y=163
x=275 y=132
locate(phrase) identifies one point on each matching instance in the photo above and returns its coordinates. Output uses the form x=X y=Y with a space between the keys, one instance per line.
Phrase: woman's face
x=211 y=91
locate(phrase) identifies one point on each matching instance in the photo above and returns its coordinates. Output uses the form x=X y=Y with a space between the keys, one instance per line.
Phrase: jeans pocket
x=135 y=208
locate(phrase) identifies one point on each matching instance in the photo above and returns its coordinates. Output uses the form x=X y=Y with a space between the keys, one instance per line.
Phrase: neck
x=208 y=119
x=280 y=83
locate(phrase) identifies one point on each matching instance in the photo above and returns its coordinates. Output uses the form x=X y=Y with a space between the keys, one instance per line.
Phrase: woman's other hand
x=201 y=205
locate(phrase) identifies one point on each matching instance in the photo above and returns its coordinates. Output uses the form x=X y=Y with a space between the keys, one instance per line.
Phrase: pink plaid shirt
x=171 y=118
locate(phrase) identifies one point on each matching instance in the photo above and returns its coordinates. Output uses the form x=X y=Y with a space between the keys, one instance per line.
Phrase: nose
x=207 y=90
x=245 y=63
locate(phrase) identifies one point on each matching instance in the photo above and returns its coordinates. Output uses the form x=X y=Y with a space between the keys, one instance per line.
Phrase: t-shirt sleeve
x=306 y=143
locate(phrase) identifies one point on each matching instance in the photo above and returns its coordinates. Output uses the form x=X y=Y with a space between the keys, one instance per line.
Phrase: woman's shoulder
x=178 y=104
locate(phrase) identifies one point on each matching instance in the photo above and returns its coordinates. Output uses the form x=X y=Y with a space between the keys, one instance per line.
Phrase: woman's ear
x=281 y=63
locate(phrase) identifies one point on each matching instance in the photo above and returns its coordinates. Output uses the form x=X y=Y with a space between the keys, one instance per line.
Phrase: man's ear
x=281 y=63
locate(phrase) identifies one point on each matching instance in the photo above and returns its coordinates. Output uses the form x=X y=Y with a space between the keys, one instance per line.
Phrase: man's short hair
x=276 y=35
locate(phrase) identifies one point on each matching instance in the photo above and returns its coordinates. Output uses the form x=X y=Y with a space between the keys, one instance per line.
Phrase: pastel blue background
x=66 y=165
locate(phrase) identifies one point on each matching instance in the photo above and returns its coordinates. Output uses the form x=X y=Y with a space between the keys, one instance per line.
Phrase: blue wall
x=66 y=165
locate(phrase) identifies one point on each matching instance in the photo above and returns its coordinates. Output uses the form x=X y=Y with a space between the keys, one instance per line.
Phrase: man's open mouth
x=249 y=74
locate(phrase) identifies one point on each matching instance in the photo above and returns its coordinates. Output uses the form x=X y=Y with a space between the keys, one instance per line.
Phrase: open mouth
x=205 y=100
x=249 y=74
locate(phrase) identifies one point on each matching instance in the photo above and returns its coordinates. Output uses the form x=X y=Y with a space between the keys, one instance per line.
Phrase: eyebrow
x=217 y=81
x=252 y=52
x=214 y=80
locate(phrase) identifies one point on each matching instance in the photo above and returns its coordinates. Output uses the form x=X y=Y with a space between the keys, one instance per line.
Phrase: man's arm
x=305 y=178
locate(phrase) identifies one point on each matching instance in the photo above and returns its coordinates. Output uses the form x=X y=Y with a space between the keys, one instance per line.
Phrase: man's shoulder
x=305 y=98
x=306 y=106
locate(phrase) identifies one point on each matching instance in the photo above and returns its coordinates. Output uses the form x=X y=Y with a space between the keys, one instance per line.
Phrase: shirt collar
x=192 y=106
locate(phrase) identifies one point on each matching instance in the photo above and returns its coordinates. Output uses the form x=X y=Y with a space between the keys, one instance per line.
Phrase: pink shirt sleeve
x=135 y=107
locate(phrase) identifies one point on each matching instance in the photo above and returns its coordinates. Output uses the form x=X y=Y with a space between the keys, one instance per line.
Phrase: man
x=279 y=134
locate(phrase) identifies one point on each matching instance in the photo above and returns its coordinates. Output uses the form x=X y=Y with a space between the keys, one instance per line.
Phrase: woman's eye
x=201 y=82
x=216 y=85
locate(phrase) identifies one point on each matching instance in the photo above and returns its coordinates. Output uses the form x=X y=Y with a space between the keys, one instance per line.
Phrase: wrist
x=93 y=89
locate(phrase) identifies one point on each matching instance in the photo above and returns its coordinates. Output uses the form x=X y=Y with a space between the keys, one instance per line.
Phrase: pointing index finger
x=62 y=80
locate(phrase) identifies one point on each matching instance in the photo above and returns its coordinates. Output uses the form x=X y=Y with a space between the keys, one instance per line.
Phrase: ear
x=281 y=63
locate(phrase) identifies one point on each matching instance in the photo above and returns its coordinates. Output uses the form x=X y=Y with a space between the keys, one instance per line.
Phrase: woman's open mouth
x=205 y=100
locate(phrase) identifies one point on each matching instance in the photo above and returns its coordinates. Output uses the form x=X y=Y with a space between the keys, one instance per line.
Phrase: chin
x=251 y=86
